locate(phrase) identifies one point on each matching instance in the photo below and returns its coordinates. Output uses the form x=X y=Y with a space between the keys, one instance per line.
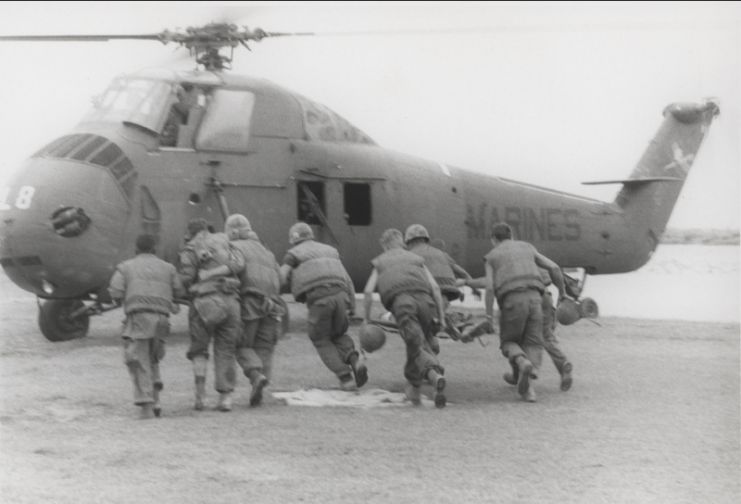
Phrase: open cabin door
x=341 y=213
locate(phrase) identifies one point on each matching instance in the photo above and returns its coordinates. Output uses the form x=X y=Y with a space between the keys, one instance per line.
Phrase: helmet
x=392 y=238
x=195 y=226
x=567 y=312
x=237 y=226
x=372 y=337
x=299 y=232
x=416 y=231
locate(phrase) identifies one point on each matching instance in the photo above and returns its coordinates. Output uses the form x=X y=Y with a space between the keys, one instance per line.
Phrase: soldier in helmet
x=215 y=312
x=261 y=310
x=444 y=269
x=513 y=276
x=318 y=278
x=550 y=342
x=409 y=291
x=147 y=287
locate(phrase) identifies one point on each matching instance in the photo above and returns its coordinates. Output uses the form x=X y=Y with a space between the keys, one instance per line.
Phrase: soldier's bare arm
x=370 y=288
x=285 y=274
x=234 y=266
x=188 y=268
x=554 y=271
x=117 y=287
x=459 y=271
x=436 y=295
x=489 y=286
x=350 y=291
x=476 y=283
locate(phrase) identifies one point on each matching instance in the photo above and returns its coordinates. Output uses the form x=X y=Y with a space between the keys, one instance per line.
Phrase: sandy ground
x=653 y=417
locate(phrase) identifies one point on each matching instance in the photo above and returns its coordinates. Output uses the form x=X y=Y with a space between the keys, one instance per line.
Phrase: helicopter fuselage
x=243 y=145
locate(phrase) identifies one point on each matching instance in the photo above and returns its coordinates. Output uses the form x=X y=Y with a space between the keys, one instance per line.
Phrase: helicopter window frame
x=143 y=102
x=226 y=124
x=305 y=210
x=358 y=203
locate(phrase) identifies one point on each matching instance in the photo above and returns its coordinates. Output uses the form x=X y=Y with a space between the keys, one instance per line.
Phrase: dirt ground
x=653 y=417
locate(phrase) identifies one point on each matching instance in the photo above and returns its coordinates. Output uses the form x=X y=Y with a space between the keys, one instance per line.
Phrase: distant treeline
x=701 y=236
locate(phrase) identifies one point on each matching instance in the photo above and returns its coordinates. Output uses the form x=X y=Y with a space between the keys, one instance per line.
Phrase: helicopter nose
x=63 y=223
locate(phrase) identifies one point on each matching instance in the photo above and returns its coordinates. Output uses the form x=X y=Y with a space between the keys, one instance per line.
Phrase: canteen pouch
x=212 y=309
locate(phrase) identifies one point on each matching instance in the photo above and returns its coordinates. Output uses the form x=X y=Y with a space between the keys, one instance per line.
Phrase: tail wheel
x=286 y=319
x=589 y=308
x=55 y=322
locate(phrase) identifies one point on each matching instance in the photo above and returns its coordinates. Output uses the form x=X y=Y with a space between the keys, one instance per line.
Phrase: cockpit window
x=185 y=113
x=324 y=125
x=138 y=101
x=226 y=126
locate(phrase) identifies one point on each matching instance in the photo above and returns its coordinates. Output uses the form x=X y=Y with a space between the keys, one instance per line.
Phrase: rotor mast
x=205 y=42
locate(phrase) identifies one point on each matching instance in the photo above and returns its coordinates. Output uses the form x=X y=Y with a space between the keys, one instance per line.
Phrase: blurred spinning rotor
x=203 y=42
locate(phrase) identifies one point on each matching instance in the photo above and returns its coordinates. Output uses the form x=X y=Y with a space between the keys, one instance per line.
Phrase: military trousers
x=224 y=335
x=256 y=344
x=328 y=324
x=521 y=326
x=142 y=358
x=550 y=342
x=414 y=313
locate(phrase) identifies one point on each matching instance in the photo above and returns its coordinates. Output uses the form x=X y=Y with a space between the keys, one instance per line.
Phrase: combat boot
x=566 y=376
x=529 y=395
x=359 y=369
x=157 y=407
x=256 y=394
x=525 y=367
x=225 y=402
x=413 y=393
x=146 y=412
x=437 y=381
x=200 y=366
x=200 y=392
x=348 y=384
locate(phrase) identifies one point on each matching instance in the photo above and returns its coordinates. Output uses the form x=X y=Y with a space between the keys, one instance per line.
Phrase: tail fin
x=649 y=195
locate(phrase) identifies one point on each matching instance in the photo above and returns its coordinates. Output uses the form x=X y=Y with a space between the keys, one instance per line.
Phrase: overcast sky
x=550 y=94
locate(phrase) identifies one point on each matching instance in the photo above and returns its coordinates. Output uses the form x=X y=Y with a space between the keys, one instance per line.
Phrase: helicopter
x=163 y=146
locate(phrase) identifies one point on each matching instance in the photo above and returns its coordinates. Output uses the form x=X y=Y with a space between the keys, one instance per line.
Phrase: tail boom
x=649 y=195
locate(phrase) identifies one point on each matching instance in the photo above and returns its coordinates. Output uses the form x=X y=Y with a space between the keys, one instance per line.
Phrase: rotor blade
x=492 y=29
x=295 y=34
x=77 y=38
x=429 y=31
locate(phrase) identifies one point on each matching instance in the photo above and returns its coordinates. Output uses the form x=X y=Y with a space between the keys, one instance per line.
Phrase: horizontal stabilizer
x=635 y=181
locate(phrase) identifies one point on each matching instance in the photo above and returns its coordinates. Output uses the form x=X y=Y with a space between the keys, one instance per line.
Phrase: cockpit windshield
x=138 y=101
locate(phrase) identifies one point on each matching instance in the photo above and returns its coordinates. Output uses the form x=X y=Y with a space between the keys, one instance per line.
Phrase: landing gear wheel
x=589 y=308
x=55 y=322
x=285 y=320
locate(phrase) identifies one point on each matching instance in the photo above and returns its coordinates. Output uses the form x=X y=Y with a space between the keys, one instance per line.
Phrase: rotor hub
x=205 y=42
